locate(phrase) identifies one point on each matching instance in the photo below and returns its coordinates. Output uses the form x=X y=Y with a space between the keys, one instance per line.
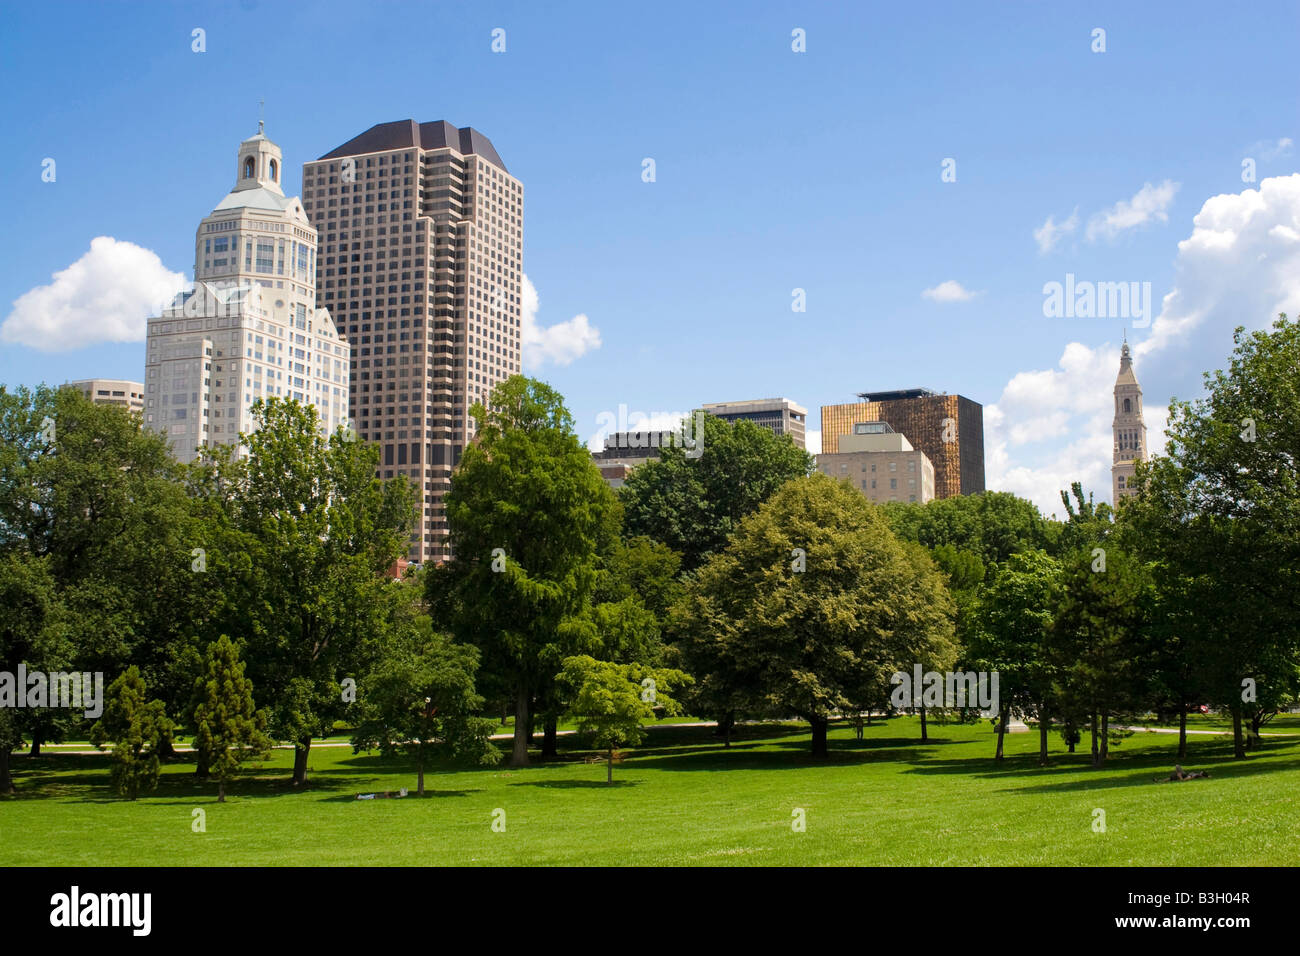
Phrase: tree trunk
x=1182 y=734
x=1004 y=713
x=728 y=721
x=221 y=791
x=419 y=770
x=166 y=749
x=819 y=748
x=925 y=733
x=1043 y=723
x=609 y=765
x=1238 y=745
x=1093 y=733
x=300 y=753
x=201 y=768
x=1255 y=740
x=523 y=728
x=6 y=780
x=1105 y=737
x=550 y=728
x=36 y=745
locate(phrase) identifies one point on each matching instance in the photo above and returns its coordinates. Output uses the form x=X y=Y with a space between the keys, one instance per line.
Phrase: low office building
x=882 y=464
x=112 y=391
x=777 y=414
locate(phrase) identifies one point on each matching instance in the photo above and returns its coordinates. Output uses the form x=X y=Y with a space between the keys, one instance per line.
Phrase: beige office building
x=250 y=328
x=881 y=463
x=777 y=414
x=421 y=266
x=112 y=391
x=948 y=428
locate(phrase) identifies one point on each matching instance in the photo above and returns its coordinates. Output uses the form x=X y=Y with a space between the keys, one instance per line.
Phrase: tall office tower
x=250 y=328
x=949 y=429
x=778 y=414
x=112 y=391
x=1129 y=429
x=421 y=265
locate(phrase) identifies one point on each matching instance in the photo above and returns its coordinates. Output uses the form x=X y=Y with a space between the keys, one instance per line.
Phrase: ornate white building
x=1129 y=430
x=250 y=328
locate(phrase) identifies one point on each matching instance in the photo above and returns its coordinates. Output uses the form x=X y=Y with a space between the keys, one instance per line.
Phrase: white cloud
x=1148 y=203
x=1240 y=266
x=559 y=344
x=1051 y=232
x=950 y=291
x=1269 y=150
x=105 y=296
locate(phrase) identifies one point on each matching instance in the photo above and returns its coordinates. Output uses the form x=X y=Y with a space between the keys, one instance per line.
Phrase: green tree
x=100 y=504
x=692 y=504
x=228 y=727
x=1221 y=512
x=812 y=603
x=992 y=525
x=526 y=510
x=321 y=530
x=612 y=701
x=420 y=698
x=137 y=729
x=32 y=633
x=1014 y=620
x=1101 y=639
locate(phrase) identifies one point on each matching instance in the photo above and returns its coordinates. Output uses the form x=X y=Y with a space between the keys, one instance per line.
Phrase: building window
x=275 y=171
x=248 y=168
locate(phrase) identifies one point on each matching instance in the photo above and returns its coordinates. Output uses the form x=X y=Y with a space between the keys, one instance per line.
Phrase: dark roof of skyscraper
x=897 y=395
x=406 y=133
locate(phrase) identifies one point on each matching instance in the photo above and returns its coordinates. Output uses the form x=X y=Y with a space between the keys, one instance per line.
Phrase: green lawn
x=682 y=799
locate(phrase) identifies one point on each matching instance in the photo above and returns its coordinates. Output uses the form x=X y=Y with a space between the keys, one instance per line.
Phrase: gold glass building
x=949 y=429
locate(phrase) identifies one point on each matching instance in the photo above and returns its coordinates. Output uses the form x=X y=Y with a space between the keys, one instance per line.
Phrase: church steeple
x=1128 y=428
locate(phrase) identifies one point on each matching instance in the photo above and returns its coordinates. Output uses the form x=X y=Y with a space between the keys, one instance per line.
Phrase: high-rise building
x=112 y=391
x=882 y=464
x=949 y=429
x=250 y=328
x=778 y=414
x=422 y=267
x=1128 y=427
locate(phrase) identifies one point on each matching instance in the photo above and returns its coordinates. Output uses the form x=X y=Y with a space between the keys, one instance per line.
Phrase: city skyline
x=635 y=289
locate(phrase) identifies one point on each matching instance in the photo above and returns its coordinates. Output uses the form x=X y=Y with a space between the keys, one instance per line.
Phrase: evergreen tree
x=228 y=728
x=137 y=729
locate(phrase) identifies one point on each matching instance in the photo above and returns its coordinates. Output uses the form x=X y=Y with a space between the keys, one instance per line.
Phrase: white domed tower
x=1129 y=430
x=251 y=329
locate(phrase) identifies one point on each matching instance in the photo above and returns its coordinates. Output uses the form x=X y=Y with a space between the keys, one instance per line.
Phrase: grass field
x=682 y=799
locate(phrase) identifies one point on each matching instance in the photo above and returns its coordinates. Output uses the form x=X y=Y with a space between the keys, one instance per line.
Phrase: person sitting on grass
x=1181 y=774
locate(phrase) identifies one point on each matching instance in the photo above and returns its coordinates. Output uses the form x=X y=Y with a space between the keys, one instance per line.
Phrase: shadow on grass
x=576 y=784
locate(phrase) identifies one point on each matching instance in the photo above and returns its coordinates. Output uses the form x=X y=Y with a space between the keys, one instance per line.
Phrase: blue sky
x=775 y=170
